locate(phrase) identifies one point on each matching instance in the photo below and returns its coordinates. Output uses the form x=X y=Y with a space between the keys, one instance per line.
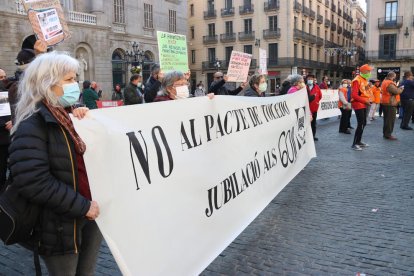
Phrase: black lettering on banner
x=193 y=136
x=159 y=152
x=287 y=147
x=139 y=152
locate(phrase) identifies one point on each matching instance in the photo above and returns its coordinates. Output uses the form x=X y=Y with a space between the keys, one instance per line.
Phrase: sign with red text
x=105 y=104
x=328 y=105
x=239 y=65
x=176 y=187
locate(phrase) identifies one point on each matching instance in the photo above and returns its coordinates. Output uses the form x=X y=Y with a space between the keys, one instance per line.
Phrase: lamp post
x=136 y=56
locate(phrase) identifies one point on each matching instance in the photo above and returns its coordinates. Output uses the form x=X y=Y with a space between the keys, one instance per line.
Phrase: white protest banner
x=180 y=184
x=263 y=61
x=328 y=106
x=239 y=66
x=4 y=104
x=173 y=52
x=47 y=20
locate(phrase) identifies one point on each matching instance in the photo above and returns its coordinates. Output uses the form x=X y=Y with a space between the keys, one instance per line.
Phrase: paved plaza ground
x=347 y=212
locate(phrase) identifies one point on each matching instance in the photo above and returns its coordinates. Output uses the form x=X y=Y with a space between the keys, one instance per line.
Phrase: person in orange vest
x=360 y=99
x=376 y=91
x=389 y=102
x=344 y=104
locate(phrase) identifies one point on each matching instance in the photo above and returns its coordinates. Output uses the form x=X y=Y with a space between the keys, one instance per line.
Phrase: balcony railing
x=302 y=35
x=327 y=23
x=210 y=14
x=81 y=17
x=319 y=41
x=327 y=3
x=333 y=27
x=272 y=6
x=292 y=61
x=388 y=23
x=388 y=55
x=305 y=11
x=333 y=7
x=212 y=65
x=246 y=9
x=297 y=7
x=246 y=36
x=228 y=37
x=210 y=39
x=312 y=14
x=271 y=33
x=319 y=18
x=339 y=30
x=339 y=11
x=227 y=12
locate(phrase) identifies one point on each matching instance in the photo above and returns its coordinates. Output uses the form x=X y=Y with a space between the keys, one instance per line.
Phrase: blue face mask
x=71 y=93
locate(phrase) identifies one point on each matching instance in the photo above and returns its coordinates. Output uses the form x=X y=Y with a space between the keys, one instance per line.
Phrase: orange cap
x=365 y=67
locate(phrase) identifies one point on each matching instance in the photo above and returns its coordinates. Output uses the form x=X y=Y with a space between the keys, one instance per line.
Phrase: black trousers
x=345 y=118
x=313 y=123
x=408 y=106
x=390 y=113
x=361 y=115
x=4 y=155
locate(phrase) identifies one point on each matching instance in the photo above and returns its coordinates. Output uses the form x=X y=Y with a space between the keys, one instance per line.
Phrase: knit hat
x=25 y=56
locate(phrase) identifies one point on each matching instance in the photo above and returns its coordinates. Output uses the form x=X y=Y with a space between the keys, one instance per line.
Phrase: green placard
x=173 y=52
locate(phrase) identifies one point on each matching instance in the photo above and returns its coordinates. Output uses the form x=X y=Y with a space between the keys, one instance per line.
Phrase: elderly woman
x=47 y=166
x=258 y=86
x=174 y=86
x=297 y=83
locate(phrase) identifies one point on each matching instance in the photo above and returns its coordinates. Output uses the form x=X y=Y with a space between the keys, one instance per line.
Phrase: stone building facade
x=390 y=30
x=101 y=33
x=303 y=36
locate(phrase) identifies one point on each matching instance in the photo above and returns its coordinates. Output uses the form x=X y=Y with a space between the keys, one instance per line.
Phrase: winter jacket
x=218 y=88
x=314 y=96
x=117 y=96
x=360 y=95
x=90 y=97
x=250 y=92
x=152 y=86
x=132 y=94
x=44 y=169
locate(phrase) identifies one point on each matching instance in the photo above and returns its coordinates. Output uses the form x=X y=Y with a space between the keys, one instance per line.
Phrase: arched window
x=119 y=11
x=118 y=68
x=148 y=62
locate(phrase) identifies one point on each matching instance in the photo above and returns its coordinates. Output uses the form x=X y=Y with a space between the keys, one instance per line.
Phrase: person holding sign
x=47 y=166
x=217 y=86
x=344 y=105
x=258 y=85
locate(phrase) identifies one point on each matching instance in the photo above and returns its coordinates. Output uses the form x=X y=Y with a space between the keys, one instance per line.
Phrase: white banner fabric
x=328 y=106
x=178 y=181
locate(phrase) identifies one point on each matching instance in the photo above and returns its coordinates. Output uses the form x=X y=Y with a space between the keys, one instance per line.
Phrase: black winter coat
x=44 y=168
x=218 y=88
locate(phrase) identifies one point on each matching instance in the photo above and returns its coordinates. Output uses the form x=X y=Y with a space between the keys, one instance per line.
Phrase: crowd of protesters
x=44 y=91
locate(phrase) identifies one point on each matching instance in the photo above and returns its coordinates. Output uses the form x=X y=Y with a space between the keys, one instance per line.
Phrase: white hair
x=44 y=72
x=295 y=78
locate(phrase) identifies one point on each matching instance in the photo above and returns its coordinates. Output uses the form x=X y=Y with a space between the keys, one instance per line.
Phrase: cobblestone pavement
x=347 y=212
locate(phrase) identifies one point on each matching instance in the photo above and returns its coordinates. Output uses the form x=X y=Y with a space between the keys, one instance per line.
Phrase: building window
x=387 y=46
x=248 y=49
x=229 y=27
x=210 y=5
x=193 y=57
x=148 y=19
x=273 y=23
x=303 y=52
x=303 y=25
x=273 y=52
x=318 y=55
x=228 y=4
x=310 y=28
x=211 y=29
x=119 y=14
x=318 y=32
x=212 y=54
x=310 y=53
x=192 y=35
x=172 y=26
x=248 y=26
x=391 y=11
x=192 y=10
x=295 y=23
x=295 y=51
x=228 y=51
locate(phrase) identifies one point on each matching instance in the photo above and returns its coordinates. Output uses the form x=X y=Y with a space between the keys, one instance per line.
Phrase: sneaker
x=346 y=131
x=363 y=145
x=406 y=128
x=315 y=139
x=356 y=147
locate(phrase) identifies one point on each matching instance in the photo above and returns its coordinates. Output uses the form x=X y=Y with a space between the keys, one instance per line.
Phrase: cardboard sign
x=47 y=20
x=4 y=104
x=328 y=105
x=239 y=66
x=173 y=52
x=263 y=61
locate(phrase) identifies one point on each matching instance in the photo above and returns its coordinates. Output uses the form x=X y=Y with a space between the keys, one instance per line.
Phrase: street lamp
x=136 y=56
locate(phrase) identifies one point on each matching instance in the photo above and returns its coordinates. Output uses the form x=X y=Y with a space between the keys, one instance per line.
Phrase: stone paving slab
x=346 y=212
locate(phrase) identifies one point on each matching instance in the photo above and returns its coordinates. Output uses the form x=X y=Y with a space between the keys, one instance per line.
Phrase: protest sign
x=4 y=104
x=263 y=61
x=173 y=52
x=328 y=106
x=47 y=20
x=192 y=177
x=104 y=104
x=238 y=66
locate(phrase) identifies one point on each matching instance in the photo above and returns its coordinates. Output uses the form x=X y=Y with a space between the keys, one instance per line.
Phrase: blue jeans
x=83 y=263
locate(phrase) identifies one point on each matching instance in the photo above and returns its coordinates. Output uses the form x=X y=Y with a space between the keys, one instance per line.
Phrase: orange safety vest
x=386 y=96
x=377 y=94
x=363 y=86
x=344 y=91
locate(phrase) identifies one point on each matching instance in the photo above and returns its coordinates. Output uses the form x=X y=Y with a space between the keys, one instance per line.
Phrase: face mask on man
x=139 y=84
x=182 y=92
x=345 y=85
x=310 y=82
x=70 y=95
x=263 y=87
x=366 y=76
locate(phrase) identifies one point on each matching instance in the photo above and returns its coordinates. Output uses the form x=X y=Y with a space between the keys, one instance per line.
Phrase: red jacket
x=316 y=91
x=359 y=96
